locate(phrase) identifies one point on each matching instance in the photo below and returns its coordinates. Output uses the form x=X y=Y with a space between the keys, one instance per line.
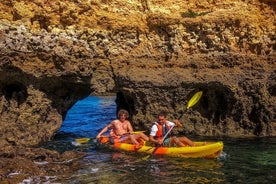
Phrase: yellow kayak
x=201 y=150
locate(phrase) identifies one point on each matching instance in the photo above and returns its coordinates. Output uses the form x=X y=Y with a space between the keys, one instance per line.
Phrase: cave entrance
x=83 y=120
x=88 y=116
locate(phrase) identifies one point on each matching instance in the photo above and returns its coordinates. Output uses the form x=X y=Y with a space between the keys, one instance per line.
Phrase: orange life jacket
x=161 y=132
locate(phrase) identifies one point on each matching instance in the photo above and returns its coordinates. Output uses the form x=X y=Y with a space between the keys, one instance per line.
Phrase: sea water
x=242 y=161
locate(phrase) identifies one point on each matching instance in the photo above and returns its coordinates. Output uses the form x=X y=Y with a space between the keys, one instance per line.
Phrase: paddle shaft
x=86 y=139
x=182 y=114
x=165 y=136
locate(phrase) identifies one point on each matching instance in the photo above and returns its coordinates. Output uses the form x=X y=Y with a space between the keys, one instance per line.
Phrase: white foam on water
x=75 y=143
x=223 y=156
x=94 y=170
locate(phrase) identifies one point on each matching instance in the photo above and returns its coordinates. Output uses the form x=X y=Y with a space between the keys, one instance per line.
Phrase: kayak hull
x=201 y=150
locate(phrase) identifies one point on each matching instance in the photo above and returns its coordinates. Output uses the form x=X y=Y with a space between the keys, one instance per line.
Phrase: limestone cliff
x=154 y=54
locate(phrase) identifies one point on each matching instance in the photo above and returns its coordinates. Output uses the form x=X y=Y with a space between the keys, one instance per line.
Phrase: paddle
x=85 y=140
x=195 y=98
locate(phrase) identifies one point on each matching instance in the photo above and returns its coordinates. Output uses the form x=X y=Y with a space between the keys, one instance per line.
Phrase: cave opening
x=89 y=115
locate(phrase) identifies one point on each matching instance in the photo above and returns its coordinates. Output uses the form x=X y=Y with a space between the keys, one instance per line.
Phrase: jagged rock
x=154 y=55
x=37 y=165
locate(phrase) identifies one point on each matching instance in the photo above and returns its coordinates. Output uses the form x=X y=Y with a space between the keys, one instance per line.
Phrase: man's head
x=162 y=117
x=123 y=113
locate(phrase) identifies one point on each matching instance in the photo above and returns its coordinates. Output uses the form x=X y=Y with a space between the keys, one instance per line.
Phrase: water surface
x=243 y=160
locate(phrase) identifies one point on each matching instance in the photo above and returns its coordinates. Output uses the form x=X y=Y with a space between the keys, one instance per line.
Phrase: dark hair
x=163 y=113
x=123 y=111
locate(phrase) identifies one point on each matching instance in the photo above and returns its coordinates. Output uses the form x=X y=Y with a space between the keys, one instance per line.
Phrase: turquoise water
x=243 y=160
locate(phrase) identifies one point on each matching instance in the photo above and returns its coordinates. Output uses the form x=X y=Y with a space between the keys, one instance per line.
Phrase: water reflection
x=116 y=167
x=176 y=170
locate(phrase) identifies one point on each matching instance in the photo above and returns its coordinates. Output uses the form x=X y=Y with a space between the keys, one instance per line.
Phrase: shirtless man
x=121 y=130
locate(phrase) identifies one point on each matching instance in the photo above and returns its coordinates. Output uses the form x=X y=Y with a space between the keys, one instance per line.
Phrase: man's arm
x=104 y=130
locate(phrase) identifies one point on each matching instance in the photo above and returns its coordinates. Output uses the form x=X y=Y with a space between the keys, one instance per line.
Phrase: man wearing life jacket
x=161 y=127
x=121 y=130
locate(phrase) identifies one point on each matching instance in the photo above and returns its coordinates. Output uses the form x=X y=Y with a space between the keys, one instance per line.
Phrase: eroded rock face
x=37 y=165
x=154 y=55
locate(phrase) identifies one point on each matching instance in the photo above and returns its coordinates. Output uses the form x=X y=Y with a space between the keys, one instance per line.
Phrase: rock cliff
x=153 y=54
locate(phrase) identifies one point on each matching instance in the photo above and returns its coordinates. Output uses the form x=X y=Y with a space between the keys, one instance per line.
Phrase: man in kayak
x=161 y=127
x=121 y=130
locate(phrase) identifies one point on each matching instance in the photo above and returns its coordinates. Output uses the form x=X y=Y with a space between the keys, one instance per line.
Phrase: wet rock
x=36 y=164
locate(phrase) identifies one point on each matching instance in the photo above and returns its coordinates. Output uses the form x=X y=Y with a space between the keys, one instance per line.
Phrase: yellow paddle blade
x=137 y=132
x=82 y=140
x=194 y=99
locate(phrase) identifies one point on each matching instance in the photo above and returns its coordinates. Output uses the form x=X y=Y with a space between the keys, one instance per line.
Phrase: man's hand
x=177 y=123
x=159 y=142
x=98 y=136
